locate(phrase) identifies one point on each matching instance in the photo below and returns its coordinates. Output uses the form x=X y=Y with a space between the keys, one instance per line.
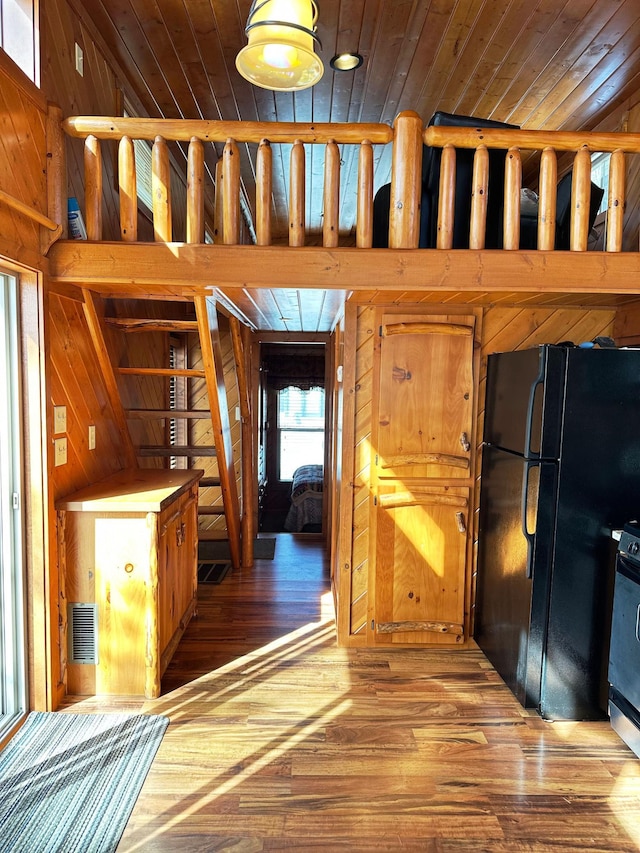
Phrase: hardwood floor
x=281 y=741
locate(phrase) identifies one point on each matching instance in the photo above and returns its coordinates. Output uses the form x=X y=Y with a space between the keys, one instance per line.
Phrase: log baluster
x=330 y=222
x=447 y=194
x=364 y=215
x=547 y=199
x=616 y=202
x=127 y=190
x=264 y=180
x=580 y=198
x=195 y=192
x=479 y=198
x=218 y=204
x=512 y=187
x=406 y=172
x=161 y=190
x=230 y=194
x=93 y=187
x=297 y=195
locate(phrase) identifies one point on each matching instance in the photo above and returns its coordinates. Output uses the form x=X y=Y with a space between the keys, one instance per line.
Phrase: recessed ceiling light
x=346 y=61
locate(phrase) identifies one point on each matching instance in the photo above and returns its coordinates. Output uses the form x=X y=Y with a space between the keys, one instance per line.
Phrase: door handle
x=464 y=441
x=462 y=526
x=638 y=624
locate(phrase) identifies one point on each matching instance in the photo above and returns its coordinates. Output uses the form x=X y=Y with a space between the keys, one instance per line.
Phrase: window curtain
x=301 y=370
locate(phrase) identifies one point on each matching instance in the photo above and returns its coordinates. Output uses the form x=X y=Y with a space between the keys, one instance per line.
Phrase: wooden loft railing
x=406 y=138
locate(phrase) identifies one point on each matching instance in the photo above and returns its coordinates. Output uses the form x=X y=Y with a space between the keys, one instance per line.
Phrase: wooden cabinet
x=128 y=553
x=421 y=477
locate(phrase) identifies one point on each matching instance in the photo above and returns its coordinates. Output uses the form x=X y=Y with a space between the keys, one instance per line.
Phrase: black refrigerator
x=560 y=471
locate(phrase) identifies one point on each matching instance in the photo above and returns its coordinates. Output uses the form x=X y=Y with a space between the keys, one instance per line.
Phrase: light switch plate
x=60 y=451
x=59 y=419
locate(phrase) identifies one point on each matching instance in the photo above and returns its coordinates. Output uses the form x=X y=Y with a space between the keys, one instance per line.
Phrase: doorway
x=13 y=695
x=292 y=428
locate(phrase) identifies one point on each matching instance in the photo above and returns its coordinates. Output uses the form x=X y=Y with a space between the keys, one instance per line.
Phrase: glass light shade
x=280 y=52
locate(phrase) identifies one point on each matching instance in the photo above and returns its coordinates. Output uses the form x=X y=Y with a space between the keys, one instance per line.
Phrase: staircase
x=239 y=527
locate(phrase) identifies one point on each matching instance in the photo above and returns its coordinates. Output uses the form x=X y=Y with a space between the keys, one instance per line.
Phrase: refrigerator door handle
x=524 y=508
x=539 y=380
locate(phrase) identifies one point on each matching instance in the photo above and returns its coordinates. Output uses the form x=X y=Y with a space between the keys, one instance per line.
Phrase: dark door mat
x=209 y=572
x=218 y=549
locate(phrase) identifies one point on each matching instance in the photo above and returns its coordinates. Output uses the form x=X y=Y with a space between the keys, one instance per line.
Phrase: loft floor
x=281 y=741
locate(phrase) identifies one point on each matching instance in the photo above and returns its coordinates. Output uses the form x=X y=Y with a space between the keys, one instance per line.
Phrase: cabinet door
x=420 y=564
x=425 y=396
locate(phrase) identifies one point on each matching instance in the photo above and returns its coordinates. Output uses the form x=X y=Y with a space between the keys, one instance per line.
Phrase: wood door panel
x=420 y=564
x=425 y=397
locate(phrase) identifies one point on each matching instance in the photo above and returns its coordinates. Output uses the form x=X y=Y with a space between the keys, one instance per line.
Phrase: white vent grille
x=83 y=633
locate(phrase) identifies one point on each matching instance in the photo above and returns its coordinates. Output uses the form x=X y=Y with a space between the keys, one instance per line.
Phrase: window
x=12 y=639
x=300 y=429
x=142 y=155
x=19 y=35
x=600 y=176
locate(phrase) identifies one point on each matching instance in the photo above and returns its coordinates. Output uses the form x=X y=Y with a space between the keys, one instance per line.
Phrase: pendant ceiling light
x=280 y=52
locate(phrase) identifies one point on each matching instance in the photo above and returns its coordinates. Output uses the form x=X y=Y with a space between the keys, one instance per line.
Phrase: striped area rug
x=68 y=782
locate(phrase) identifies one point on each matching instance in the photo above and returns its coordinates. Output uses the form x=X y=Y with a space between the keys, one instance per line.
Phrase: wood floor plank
x=280 y=741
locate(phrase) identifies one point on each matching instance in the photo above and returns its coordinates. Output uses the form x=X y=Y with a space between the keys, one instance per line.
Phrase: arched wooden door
x=422 y=477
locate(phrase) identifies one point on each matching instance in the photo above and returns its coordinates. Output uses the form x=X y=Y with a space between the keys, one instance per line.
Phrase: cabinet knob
x=128 y=567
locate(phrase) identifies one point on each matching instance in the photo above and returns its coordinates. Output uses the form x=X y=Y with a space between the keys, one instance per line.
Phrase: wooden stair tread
x=137 y=324
x=211 y=510
x=168 y=413
x=209 y=482
x=174 y=450
x=161 y=371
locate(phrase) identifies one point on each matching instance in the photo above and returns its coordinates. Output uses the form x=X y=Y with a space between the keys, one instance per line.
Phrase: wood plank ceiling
x=548 y=64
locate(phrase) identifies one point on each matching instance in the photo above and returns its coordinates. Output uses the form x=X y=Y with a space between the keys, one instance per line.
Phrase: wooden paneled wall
x=99 y=91
x=503 y=329
x=23 y=162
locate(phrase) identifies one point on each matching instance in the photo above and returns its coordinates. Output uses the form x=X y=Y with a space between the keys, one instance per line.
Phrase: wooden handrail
x=532 y=140
x=183 y=130
x=28 y=211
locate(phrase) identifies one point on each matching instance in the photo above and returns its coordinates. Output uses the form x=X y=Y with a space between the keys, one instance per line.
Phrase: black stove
x=624 y=651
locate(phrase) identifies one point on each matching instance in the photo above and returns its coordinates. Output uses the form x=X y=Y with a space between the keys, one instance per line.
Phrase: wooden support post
x=364 y=217
x=330 y=222
x=580 y=201
x=93 y=187
x=195 y=192
x=406 y=178
x=547 y=200
x=512 y=187
x=161 y=191
x=479 y=198
x=56 y=173
x=616 y=201
x=128 y=190
x=230 y=194
x=248 y=451
x=297 y=195
x=264 y=171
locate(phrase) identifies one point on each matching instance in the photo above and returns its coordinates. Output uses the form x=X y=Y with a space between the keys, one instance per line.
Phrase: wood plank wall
x=504 y=328
x=100 y=91
x=23 y=163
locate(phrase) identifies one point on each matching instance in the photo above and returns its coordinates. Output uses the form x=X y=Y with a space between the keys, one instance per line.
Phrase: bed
x=305 y=512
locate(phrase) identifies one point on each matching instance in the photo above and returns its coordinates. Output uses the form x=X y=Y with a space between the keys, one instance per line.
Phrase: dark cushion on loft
x=529 y=224
x=431 y=161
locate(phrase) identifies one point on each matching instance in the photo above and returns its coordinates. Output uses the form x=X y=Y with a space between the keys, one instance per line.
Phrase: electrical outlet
x=92 y=437
x=59 y=419
x=79 y=60
x=60 y=451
